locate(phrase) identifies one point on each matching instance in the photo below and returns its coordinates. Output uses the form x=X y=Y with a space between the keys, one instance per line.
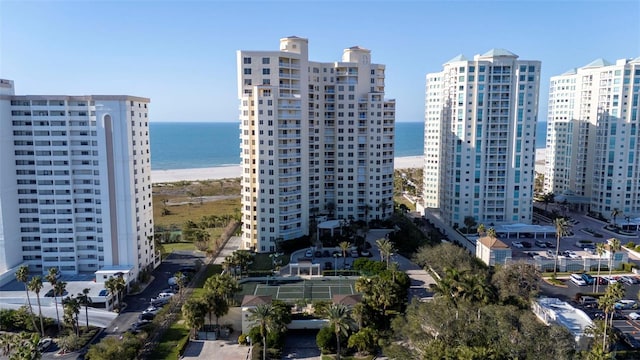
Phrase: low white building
x=492 y=251
x=556 y=311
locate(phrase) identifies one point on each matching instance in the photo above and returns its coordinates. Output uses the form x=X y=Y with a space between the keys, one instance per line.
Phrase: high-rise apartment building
x=75 y=186
x=479 y=141
x=316 y=138
x=593 y=137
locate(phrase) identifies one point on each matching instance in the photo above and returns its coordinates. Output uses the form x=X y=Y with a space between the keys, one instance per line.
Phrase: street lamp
x=335 y=264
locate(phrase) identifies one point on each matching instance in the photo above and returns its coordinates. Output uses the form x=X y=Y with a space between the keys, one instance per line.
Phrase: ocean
x=186 y=145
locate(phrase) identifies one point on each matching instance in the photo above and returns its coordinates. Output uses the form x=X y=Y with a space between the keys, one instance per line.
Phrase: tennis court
x=310 y=290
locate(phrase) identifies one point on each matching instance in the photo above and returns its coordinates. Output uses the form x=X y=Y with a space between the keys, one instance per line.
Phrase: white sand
x=227 y=172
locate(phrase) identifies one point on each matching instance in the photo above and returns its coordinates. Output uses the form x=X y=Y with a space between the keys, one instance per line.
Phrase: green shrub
x=637 y=248
x=631 y=245
x=326 y=340
x=628 y=267
x=242 y=339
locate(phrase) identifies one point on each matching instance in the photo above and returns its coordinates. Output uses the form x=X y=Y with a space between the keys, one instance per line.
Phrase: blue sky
x=182 y=54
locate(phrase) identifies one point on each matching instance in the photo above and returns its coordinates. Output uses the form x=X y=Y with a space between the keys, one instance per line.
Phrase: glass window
x=265 y=60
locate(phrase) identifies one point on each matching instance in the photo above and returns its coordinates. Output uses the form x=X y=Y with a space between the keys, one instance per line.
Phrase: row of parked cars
x=584 y=279
x=354 y=253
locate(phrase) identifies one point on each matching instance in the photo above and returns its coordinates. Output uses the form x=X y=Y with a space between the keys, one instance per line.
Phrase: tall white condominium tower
x=479 y=141
x=316 y=138
x=593 y=134
x=75 y=186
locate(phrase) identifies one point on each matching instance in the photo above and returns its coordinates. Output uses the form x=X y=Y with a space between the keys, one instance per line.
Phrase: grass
x=171 y=247
x=168 y=346
x=181 y=213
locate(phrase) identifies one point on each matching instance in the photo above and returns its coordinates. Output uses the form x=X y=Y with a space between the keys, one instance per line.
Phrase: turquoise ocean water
x=186 y=145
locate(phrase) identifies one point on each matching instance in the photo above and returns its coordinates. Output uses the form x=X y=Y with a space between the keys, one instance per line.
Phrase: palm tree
x=71 y=311
x=600 y=250
x=114 y=285
x=262 y=314
x=607 y=303
x=22 y=275
x=52 y=278
x=193 y=311
x=216 y=305
x=481 y=230
x=344 y=246
x=614 y=246
x=383 y=206
x=546 y=199
x=224 y=285
x=339 y=317
x=85 y=300
x=386 y=248
x=492 y=233
x=35 y=285
x=614 y=214
x=562 y=229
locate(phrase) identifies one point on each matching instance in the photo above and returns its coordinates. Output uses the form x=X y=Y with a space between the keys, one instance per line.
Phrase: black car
x=550 y=245
x=526 y=244
x=146 y=316
x=318 y=253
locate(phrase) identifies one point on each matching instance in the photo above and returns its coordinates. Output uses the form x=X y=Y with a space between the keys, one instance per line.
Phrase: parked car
x=609 y=280
x=634 y=316
x=44 y=344
x=151 y=310
x=365 y=253
x=588 y=301
x=550 y=245
x=526 y=244
x=326 y=253
x=577 y=279
x=308 y=254
x=540 y=243
x=317 y=253
x=517 y=244
x=146 y=316
x=354 y=253
x=626 y=304
x=629 y=280
x=588 y=279
x=160 y=301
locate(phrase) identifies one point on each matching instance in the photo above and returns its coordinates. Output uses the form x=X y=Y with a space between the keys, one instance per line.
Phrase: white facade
x=316 y=138
x=592 y=137
x=75 y=187
x=479 y=141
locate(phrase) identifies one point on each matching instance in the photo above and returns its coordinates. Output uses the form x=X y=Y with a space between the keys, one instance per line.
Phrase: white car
x=44 y=344
x=609 y=280
x=629 y=280
x=517 y=244
x=625 y=304
x=308 y=254
x=634 y=316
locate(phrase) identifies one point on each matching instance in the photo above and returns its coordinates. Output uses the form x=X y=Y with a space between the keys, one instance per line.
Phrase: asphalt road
x=138 y=302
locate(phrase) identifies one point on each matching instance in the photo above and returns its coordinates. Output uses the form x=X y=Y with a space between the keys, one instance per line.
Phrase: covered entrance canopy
x=535 y=230
x=330 y=225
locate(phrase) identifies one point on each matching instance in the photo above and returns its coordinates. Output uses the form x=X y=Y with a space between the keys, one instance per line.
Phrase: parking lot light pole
x=335 y=264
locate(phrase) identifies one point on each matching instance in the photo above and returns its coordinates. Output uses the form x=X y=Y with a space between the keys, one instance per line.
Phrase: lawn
x=178 y=214
x=168 y=346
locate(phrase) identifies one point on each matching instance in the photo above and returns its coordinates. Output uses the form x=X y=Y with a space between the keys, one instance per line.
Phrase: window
x=247 y=60
x=247 y=71
x=266 y=71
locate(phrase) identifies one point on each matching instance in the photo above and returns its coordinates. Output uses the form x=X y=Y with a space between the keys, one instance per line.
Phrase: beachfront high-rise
x=316 y=138
x=593 y=136
x=75 y=186
x=479 y=141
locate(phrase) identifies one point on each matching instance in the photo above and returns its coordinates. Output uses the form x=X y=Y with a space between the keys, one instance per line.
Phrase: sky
x=182 y=54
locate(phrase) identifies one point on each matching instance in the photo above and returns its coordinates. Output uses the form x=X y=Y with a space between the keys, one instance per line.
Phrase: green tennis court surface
x=300 y=289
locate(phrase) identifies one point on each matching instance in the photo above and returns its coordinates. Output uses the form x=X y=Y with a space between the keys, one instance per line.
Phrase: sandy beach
x=226 y=172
